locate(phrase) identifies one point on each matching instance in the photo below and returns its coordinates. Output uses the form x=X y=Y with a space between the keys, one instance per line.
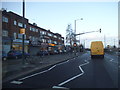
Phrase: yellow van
x=97 y=49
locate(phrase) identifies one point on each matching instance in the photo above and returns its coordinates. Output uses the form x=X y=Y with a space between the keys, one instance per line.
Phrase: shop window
x=25 y=36
x=29 y=37
x=20 y=36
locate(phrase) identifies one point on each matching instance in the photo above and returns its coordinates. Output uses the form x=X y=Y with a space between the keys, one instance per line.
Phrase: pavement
x=14 y=68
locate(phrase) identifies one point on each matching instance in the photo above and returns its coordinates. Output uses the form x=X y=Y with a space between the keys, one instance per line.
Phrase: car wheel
x=4 y=58
x=16 y=57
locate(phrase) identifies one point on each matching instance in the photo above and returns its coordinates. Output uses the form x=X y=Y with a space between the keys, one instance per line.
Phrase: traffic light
x=74 y=44
x=100 y=30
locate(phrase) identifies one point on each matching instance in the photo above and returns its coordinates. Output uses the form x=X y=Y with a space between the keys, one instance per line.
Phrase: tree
x=69 y=35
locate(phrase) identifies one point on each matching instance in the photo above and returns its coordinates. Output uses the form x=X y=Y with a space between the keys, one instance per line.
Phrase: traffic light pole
x=88 y=32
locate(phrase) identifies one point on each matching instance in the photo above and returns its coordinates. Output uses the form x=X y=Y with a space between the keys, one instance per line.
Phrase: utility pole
x=23 y=34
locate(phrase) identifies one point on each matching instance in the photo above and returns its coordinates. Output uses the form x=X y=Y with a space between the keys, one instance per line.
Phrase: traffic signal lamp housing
x=74 y=44
x=100 y=30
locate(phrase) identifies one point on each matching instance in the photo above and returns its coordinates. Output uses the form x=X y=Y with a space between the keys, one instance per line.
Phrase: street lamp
x=23 y=31
x=75 y=28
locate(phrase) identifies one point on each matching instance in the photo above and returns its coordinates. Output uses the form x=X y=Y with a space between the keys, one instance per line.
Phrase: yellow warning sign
x=22 y=31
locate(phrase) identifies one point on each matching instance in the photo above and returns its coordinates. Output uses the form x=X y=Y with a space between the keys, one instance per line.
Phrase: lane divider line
x=113 y=61
x=74 y=76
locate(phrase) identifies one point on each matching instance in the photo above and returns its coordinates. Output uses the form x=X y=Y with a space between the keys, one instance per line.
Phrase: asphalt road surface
x=80 y=72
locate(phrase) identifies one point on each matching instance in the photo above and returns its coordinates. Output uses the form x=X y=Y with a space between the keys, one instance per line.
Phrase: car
x=56 y=52
x=60 y=51
x=4 y=56
x=17 y=54
x=42 y=53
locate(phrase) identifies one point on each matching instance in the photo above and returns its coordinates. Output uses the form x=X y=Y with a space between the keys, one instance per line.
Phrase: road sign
x=22 y=31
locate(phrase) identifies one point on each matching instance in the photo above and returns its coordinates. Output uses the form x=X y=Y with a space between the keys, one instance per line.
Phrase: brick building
x=36 y=38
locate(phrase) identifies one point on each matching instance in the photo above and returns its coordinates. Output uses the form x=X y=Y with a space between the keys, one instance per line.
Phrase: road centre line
x=74 y=76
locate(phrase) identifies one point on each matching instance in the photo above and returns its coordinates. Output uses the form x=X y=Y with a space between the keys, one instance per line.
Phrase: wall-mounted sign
x=22 y=31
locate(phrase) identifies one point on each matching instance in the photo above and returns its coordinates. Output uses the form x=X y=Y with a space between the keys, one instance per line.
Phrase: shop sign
x=22 y=31
x=20 y=41
x=51 y=44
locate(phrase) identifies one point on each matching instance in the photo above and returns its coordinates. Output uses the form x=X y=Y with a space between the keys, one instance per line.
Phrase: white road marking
x=37 y=73
x=63 y=62
x=76 y=75
x=113 y=61
x=59 y=87
x=42 y=71
x=16 y=82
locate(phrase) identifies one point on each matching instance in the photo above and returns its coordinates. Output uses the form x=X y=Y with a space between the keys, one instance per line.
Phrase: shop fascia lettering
x=20 y=41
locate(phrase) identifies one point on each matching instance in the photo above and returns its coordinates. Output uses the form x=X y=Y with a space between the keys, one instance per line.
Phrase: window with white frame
x=55 y=36
x=25 y=26
x=4 y=33
x=30 y=29
x=33 y=29
x=36 y=30
x=15 y=22
x=30 y=37
x=33 y=38
x=55 y=42
x=14 y=35
x=20 y=24
x=43 y=32
x=24 y=36
x=49 y=34
x=5 y=19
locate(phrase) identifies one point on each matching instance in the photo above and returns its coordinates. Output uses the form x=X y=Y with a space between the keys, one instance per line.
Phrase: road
x=80 y=72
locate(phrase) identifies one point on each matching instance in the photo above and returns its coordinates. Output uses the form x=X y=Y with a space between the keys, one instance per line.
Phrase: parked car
x=17 y=54
x=4 y=56
x=42 y=53
x=60 y=51
x=56 y=52
x=51 y=52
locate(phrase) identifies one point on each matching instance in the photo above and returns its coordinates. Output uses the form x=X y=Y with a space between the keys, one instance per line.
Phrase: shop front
x=17 y=45
x=6 y=44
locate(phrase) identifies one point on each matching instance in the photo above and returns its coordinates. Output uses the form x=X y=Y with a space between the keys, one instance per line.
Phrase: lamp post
x=23 y=32
x=75 y=28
